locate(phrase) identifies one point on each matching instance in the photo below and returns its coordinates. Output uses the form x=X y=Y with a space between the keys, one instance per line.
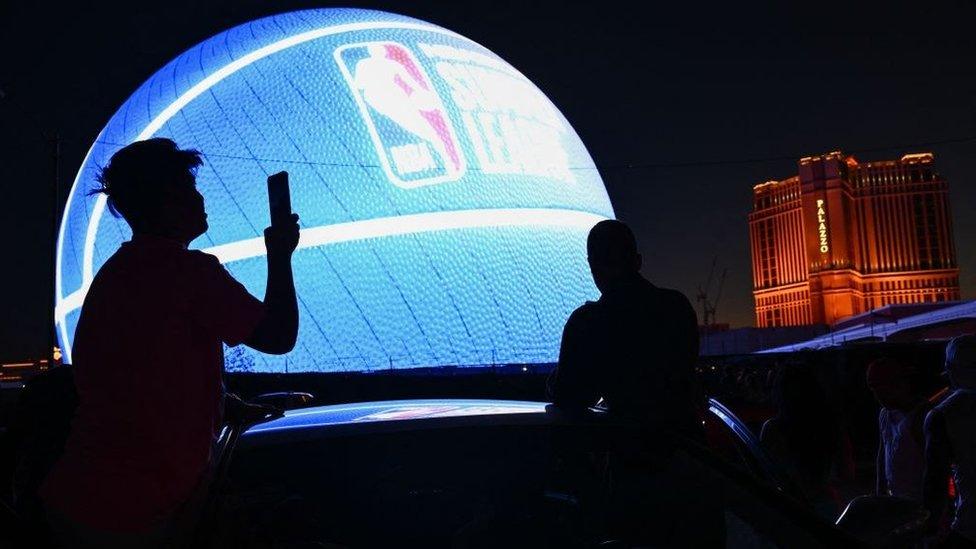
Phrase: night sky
x=682 y=107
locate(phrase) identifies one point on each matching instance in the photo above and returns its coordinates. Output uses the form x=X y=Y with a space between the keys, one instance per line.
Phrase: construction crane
x=709 y=304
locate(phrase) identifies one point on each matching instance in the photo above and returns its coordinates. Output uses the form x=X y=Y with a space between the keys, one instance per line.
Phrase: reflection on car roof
x=396 y=410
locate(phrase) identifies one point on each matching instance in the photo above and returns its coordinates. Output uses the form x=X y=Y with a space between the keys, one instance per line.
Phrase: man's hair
x=137 y=174
x=611 y=241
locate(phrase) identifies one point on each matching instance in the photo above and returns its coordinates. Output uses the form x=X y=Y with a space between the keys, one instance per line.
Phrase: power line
x=605 y=166
x=640 y=165
x=760 y=160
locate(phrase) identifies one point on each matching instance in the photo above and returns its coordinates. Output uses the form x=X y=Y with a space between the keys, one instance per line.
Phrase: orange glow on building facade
x=844 y=237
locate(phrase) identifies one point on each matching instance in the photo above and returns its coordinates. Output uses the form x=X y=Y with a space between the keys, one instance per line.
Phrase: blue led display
x=444 y=200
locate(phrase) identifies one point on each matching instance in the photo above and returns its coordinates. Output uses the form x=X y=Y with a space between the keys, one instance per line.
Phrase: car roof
x=395 y=415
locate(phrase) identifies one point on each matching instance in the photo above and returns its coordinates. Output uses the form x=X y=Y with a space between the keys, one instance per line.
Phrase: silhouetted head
x=152 y=184
x=893 y=383
x=611 y=250
x=960 y=362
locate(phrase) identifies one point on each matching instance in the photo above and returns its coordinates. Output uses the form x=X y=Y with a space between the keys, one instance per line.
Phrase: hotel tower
x=845 y=237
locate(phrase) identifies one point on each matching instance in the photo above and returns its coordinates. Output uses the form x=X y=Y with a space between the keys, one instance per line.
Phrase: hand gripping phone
x=279 y=198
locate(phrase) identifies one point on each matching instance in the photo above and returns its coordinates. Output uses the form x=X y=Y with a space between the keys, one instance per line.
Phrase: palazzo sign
x=822 y=226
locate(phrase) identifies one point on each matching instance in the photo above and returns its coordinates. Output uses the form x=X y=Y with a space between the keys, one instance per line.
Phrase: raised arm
x=277 y=331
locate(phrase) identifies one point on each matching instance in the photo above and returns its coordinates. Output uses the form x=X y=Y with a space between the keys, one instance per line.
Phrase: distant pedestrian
x=901 y=447
x=805 y=438
x=950 y=448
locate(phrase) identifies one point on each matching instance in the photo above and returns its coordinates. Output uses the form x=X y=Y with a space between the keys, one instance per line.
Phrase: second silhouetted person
x=635 y=347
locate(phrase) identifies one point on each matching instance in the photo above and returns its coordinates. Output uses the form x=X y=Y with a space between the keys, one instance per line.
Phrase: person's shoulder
x=957 y=399
x=200 y=255
x=584 y=314
x=671 y=297
x=202 y=259
x=770 y=429
x=122 y=257
x=119 y=265
x=883 y=415
x=675 y=295
x=934 y=419
x=585 y=311
x=202 y=266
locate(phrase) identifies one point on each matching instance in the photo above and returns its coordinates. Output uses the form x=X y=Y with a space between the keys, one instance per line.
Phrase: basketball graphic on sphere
x=444 y=200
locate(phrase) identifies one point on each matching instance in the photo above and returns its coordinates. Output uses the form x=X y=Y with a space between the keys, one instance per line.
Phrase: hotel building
x=844 y=237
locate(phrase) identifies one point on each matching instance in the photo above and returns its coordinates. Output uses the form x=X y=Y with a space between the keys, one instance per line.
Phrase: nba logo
x=410 y=128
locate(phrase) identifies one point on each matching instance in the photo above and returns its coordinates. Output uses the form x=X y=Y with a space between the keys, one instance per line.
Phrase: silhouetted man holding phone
x=148 y=357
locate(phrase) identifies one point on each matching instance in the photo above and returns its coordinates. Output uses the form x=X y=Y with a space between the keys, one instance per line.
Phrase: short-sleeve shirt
x=148 y=360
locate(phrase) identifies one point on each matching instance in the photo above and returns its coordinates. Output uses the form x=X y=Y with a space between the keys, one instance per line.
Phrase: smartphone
x=279 y=198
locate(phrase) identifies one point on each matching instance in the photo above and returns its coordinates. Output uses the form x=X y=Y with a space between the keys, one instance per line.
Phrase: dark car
x=493 y=473
x=486 y=473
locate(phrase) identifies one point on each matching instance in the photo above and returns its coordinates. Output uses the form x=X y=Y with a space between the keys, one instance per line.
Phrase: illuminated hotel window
x=935 y=250
x=920 y=224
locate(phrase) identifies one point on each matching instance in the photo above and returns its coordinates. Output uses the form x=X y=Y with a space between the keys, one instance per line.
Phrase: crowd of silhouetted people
x=749 y=383
x=925 y=440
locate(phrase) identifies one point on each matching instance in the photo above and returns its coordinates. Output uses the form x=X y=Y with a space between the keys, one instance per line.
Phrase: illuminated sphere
x=444 y=200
